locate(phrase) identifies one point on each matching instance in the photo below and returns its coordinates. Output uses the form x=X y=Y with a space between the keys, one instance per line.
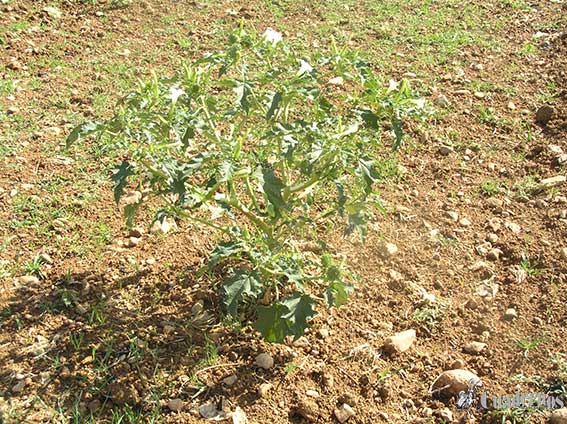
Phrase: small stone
x=336 y=81
x=209 y=411
x=510 y=314
x=94 y=405
x=457 y=364
x=264 y=360
x=552 y=182
x=175 y=404
x=132 y=241
x=494 y=254
x=29 y=280
x=558 y=416
x=465 y=222
x=19 y=386
x=308 y=409
x=230 y=380
x=312 y=393
x=452 y=215
x=446 y=415
x=544 y=114
x=511 y=106
x=132 y=198
x=441 y=101
x=163 y=227
x=492 y=238
x=168 y=328
x=400 y=342
x=477 y=66
x=479 y=95
x=451 y=382
x=45 y=258
x=515 y=228
x=137 y=232
x=564 y=253
x=387 y=250
x=445 y=150
x=493 y=202
x=264 y=389
x=474 y=348
x=344 y=413
x=323 y=333
x=12 y=110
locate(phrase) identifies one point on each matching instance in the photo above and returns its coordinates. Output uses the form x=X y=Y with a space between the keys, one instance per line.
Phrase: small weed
x=528 y=344
x=490 y=188
x=530 y=268
x=430 y=315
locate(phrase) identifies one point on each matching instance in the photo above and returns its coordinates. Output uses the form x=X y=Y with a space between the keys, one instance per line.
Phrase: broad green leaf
x=301 y=310
x=243 y=285
x=398 y=132
x=272 y=186
x=242 y=91
x=225 y=250
x=276 y=99
x=337 y=293
x=120 y=179
x=130 y=212
x=226 y=171
x=82 y=131
x=270 y=323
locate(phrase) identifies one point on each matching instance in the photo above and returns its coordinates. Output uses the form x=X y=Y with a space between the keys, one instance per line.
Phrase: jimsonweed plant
x=263 y=145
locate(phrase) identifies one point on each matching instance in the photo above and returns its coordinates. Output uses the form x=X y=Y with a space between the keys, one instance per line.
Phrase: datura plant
x=262 y=144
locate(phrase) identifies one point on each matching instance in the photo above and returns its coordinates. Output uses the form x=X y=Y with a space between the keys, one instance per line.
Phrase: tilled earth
x=102 y=332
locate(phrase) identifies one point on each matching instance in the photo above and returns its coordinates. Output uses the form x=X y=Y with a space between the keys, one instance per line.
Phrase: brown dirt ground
x=140 y=320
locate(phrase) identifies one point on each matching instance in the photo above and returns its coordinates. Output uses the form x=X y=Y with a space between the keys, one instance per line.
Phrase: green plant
x=528 y=344
x=490 y=188
x=262 y=146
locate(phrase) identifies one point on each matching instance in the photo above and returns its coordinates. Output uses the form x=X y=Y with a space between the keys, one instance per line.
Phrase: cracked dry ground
x=116 y=334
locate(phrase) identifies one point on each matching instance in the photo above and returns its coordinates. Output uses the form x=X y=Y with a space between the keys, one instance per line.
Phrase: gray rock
x=344 y=413
x=474 y=348
x=264 y=389
x=29 y=280
x=452 y=215
x=441 y=101
x=510 y=314
x=451 y=382
x=265 y=361
x=446 y=415
x=400 y=342
x=559 y=416
x=175 y=404
x=387 y=250
x=552 y=181
x=544 y=114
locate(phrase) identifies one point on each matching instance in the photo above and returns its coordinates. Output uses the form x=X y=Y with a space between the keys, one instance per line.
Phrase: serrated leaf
x=370 y=119
x=242 y=91
x=366 y=171
x=240 y=287
x=226 y=171
x=82 y=131
x=120 y=179
x=130 y=212
x=398 y=132
x=300 y=308
x=270 y=324
x=225 y=250
x=337 y=293
x=271 y=186
x=276 y=99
